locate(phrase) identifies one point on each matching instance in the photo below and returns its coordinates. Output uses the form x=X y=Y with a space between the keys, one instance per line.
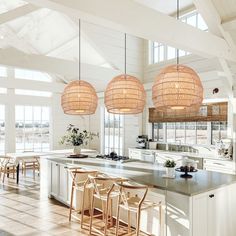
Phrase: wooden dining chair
x=7 y=167
x=31 y=164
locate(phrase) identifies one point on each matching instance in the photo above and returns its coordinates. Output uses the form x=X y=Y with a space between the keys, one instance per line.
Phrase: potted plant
x=77 y=139
x=170 y=168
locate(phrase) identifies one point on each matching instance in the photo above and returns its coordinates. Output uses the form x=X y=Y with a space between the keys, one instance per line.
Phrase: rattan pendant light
x=79 y=97
x=177 y=87
x=125 y=94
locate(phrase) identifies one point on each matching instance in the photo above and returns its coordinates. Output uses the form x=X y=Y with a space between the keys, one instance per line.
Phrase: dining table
x=18 y=157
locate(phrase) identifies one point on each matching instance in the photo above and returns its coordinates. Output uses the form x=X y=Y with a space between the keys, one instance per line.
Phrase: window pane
x=2 y=129
x=192 y=20
x=190 y=132
x=201 y=23
x=113 y=133
x=180 y=132
x=171 y=53
x=32 y=93
x=170 y=132
x=215 y=130
x=3 y=71
x=32 y=75
x=201 y=132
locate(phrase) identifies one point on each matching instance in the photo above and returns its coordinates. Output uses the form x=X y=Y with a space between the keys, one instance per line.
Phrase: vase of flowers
x=76 y=138
x=170 y=168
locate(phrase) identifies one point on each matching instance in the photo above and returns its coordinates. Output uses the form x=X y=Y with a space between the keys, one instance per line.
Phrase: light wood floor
x=26 y=210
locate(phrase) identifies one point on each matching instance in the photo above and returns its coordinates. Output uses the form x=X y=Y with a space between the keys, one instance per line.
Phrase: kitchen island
x=202 y=206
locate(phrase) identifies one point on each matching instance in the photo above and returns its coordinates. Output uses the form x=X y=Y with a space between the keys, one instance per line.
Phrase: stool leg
x=34 y=170
x=4 y=173
x=129 y=225
x=106 y=217
x=111 y=218
x=91 y=216
x=160 y=220
x=138 y=222
x=118 y=218
x=82 y=210
x=71 y=200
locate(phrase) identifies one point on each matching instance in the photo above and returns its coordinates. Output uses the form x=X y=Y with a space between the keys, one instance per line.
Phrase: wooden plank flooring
x=25 y=209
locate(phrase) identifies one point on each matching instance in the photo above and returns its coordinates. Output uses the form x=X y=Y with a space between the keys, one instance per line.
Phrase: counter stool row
x=107 y=190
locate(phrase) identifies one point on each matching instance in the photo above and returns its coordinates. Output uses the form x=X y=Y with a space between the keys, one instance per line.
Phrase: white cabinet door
x=63 y=183
x=54 y=178
x=211 y=213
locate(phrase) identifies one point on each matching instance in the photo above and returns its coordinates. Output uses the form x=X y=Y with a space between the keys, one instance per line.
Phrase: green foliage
x=74 y=137
x=170 y=164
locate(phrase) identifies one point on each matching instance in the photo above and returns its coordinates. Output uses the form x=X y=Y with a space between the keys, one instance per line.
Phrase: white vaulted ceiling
x=48 y=29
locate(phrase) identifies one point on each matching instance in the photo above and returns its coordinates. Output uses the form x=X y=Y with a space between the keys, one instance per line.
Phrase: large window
x=113 y=133
x=2 y=129
x=32 y=128
x=202 y=133
x=161 y=52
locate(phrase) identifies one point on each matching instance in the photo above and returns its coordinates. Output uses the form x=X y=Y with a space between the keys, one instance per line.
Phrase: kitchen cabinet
x=54 y=178
x=59 y=188
x=60 y=185
x=213 y=214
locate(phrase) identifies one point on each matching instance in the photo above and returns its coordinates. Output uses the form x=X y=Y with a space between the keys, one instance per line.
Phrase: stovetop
x=114 y=158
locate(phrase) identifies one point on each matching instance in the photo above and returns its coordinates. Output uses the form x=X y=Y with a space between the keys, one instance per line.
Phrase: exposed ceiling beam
x=133 y=18
x=64 y=68
x=213 y=20
x=230 y=25
x=16 y=13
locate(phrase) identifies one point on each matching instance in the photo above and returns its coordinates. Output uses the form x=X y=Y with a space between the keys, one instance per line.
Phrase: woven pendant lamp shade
x=79 y=98
x=125 y=94
x=177 y=87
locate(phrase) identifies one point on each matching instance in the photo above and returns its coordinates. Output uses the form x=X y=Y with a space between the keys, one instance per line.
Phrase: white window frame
x=33 y=121
x=120 y=144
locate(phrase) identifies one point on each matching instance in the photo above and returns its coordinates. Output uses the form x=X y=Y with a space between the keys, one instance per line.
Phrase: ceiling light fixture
x=79 y=97
x=125 y=94
x=177 y=87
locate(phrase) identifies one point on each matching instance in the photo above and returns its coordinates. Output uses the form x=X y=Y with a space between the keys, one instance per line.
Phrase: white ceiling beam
x=133 y=18
x=64 y=68
x=213 y=20
x=230 y=25
x=17 y=58
x=16 y=13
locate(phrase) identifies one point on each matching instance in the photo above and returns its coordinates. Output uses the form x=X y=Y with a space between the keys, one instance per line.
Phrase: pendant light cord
x=79 y=50
x=177 y=6
x=125 y=55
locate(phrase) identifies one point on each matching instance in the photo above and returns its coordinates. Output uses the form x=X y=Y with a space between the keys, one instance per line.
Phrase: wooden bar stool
x=132 y=199
x=80 y=183
x=105 y=191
